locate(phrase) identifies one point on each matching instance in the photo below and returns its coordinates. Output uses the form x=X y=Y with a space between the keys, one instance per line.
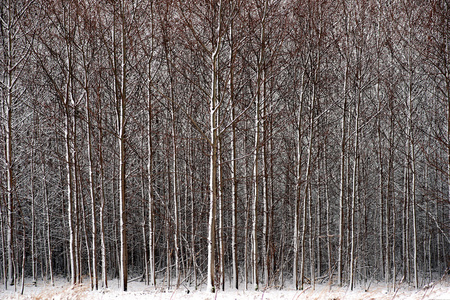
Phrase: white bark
x=69 y=173
x=102 y=211
x=151 y=201
x=259 y=101
x=213 y=169
x=121 y=93
x=256 y=192
x=214 y=138
x=221 y=214
x=91 y=179
x=33 y=218
x=8 y=137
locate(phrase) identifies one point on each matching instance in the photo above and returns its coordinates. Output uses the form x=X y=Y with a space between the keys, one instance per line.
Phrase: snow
x=138 y=290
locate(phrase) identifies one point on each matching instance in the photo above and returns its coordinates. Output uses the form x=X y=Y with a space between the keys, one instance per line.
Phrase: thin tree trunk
x=312 y=230
x=412 y=160
x=102 y=208
x=234 y=183
x=247 y=218
x=306 y=194
x=220 y=202
x=259 y=100
x=330 y=268
x=388 y=225
x=354 y=194
x=88 y=252
x=33 y=218
x=70 y=194
x=143 y=222
x=91 y=185
x=4 y=251
x=214 y=137
x=405 y=231
x=414 y=217
x=210 y=286
x=168 y=222
x=342 y=183
x=120 y=88
x=47 y=218
x=175 y=187
x=394 y=228
x=78 y=205
x=390 y=204
x=318 y=223
x=255 y=194
x=22 y=287
x=298 y=185
x=151 y=200
x=265 y=187
x=193 y=214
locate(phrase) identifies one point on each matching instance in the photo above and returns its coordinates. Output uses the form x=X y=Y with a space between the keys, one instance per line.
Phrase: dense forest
x=225 y=142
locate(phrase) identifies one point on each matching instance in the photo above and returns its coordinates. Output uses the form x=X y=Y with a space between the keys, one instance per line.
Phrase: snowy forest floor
x=138 y=290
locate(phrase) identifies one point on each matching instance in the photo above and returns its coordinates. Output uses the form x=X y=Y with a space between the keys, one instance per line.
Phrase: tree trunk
x=102 y=208
x=234 y=183
x=193 y=216
x=33 y=217
x=354 y=193
x=265 y=190
x=92 y=184
x=221 y=213
x=342 y=183
x=175 y=183
x=121 y=117
x=4 y=246
x=329 y=224
x=298 y=184
x=214 y=139
x=151 y=200
x=9 y=141
x=255 y=193
x=214 y=106
x=47 y=218
x=70 y=191
x=306 y=194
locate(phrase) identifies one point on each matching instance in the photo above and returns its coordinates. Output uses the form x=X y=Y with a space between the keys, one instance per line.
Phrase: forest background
x=260 y=142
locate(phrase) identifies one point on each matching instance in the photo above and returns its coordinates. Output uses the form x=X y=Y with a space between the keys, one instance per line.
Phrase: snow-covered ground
x=138 y=290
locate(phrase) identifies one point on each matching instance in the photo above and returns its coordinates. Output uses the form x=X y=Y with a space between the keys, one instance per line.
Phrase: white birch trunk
x=210 y=285
x=122 y=99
